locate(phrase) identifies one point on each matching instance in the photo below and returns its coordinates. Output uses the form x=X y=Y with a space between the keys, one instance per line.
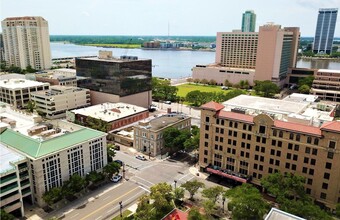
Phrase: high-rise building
x=248 y=21
x=126 y=79
x=27 y=42
x=270 y=52
x=325 y=28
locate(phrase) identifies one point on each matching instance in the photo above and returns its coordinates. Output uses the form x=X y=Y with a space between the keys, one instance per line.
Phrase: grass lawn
x=115 y=45
x=184 y=89
x=125 y=214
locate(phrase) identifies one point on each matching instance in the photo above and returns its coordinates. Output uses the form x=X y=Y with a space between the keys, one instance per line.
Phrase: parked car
x=116 y=178
x=117 y=147
x=224 y=87
x=140 y=157
x=167 y=102
x=119 y=162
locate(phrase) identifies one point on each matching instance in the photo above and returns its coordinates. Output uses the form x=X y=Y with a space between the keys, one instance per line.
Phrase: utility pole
x=120 y=209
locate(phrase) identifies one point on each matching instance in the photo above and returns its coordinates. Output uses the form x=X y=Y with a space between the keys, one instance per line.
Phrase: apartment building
x=148 y=135
x=126 y=79
x=268 y=53
x=326 y=85
x=246 y=147
x=248 y=21
x=55 y=150
x=27 y=42
x=17 y=92
x=325 y=29
x=15 y=183
x=58 y=99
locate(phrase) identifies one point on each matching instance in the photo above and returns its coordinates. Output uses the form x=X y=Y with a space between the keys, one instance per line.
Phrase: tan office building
x=326 y=85
x=58 y=99
x=245 y=148
x=27 y=42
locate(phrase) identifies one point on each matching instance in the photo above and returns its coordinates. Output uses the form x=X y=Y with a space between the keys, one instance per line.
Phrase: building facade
x=59 y=99
x=127 y=79
x=325 y=28
x=248 y=21
x=27 y=42
x=246 y=148
x=148 y=135
x=326 y=85
x=17 y=92
x=15 y=182
x=58 y=77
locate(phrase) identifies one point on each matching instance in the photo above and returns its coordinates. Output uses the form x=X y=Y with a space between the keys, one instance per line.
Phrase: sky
x=151 y=17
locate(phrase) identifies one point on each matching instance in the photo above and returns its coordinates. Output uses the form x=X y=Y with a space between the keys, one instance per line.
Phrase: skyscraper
x=248 y=21
x=27 y=42
x=325 y=28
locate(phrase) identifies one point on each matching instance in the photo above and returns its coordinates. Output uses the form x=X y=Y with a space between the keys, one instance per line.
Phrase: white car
x=140 y=157
x=116 y=178
x=168 y=102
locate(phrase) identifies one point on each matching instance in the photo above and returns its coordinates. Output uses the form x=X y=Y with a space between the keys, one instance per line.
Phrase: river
x=168 y=63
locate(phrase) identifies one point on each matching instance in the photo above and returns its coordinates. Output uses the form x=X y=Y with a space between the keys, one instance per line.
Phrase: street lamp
x=120 y=209
x=123 y=170
x=149 y=154
x=175 y=181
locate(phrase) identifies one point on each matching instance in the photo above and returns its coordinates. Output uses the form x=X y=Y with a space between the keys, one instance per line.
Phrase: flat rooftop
x=7 y=157
x=297 y=97
x=277 y=214
x=215 y=66
x=275 y=106
x=20 y=83
x=113 y=59
x=12 y=76
x=162 y=121
x=328 y=71
x=58 y=90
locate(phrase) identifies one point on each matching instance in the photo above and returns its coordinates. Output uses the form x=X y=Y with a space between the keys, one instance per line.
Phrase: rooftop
x=277 y=214
x=328 y=71
x=112 y=60
x=176 y=214
x=7 y=157
x=58 y=90
x=110 y=111
x=297 y=97
x=20 y=83
x=12 y=76
x=163 y=121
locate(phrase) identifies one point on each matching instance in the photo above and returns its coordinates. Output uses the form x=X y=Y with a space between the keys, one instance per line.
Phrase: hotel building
x=17 y=92
x=54 y=150
x=326 y=85
x=325 y=28
x=27 y=42
x=58 y=99
x=263 y=55
x=248 y=21
x=126 y=79
x=245 y=147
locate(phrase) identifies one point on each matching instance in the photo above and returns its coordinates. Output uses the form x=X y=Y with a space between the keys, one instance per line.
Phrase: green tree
x=190 y=80
x=266 y=88
x=162 y=195
x=212 y=82
x=144 y=209
x=94 y=177
x=162 y=90
x=204 y=81
x=197 y=81
x=53 y=195
x=227 y=83
x=213 y=193
x=208 y=206
x=31 y=106
x=174 y=139
x=337 y=210
x=246 y=202
x=308 y=53
x=111 y=169
x=304 y=89
x=29 y=69
x=164 y=189
x=178 y=193
x=75 y=184
x=306 y=81
x=6 y=216
x=192 y=187
x=194 y=214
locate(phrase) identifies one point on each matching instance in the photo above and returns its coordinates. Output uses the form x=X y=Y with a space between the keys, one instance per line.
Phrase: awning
x=220 y=173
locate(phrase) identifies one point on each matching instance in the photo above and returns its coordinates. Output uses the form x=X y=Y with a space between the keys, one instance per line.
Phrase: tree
x=204 y=81
x=29 y=69
x=94 y=177
x=111 y=168
x=161 y=193
x=194 y=214
x=212 y=82
x=227 y=83
x=208 y=207
x=244 y=84
x=174 y=139
x=144 y=209
x=162 y=90
x=246 y=202
x=178 y=193
x=304 y=89
x=53 y=195
x=337 y=210
x=213 y=193
x=75 y=184
x=190 y=80
x=192 y=187
x=197 y=81
x=31 y=106
x=306 y=81
x=164 y=189
x=266 y=88
x=6 y=216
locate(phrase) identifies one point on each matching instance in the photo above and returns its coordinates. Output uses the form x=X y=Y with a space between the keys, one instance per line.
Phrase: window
x=323 y=195
x=244 y=127
x=262 y=158
x=281 y=134
x=263 y=150
x=255 y=166
x=264 y=140
x=230 y=133
x=261 y=167
x=235 y=134
x=324 y=186
x=304 y=169
x=316 y=141
x=271 y=161
x=279 y=143
x=235 y=124
x=311 y=172
x=207 y=119
x=312 y=161
x=330 y=155
x=256 y=157
x=249 y=137
x=205 y=152
x=222 y=131
x=206 y=136
x=332 y=144
x=287 y=166
x=273 y=142
x=274 y=133
x=205 y=160
x=243 y=136
x=309 y=140
x=205 y=144
x=229 y=141
x=296 y=147
x=297 y=138
x=291 y=136
x=295 y=157
x=277 y=163
x=309 y=181
x=217 y=130
x=293 y=166
x=289 y=156
x=207 y=127
x=290 y=146
x=272 y=152
x=328 y=165
x=234 y=142
x=278 y=153
x=221 y=139
x=230 y=124
x=262 y=129
x=306 y=160
x=258 y=139
x=307 y=150
x=315 y=151
x=326 y=176
x=308 y=191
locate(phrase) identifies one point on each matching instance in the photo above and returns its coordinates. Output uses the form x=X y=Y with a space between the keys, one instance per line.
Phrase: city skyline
x=149 y=17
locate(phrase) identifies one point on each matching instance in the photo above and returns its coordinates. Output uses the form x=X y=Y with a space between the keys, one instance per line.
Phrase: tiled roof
x=236 y=116
x=176 y=214
x=332 y=126
x=35 y=148
x=213 y=106
x=306 y=129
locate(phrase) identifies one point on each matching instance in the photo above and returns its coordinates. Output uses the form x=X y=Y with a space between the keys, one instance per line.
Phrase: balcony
x=7 y=179
x=228 y=174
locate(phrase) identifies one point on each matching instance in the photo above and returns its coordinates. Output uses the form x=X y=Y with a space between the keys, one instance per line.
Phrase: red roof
x=213 y=106
x=236 y=116
x=332 y=126
x=306 y=129
x=176 y=214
